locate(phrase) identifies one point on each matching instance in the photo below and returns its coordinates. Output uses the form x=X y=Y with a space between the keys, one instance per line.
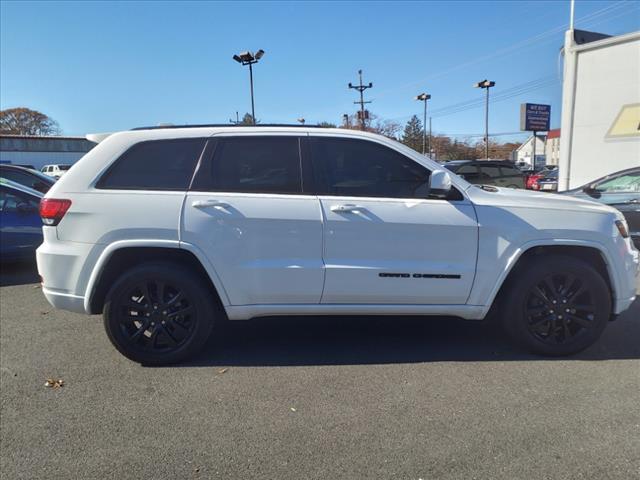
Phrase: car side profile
x=20 y=224
x=620 y=190
x=167 y=231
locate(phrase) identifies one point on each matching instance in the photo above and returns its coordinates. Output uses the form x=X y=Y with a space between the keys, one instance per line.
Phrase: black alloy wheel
x=555 y=305
x=159 y=313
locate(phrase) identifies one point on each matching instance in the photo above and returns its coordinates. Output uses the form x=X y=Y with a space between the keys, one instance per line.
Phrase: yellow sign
x=627 y=123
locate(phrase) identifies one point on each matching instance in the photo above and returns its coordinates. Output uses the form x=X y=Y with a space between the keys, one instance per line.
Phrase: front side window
x=155 y=165
x=350 y=167
x=626 y=183
x=247 y=164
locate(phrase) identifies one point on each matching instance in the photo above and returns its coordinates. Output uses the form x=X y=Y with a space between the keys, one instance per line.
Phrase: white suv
x=167 y=231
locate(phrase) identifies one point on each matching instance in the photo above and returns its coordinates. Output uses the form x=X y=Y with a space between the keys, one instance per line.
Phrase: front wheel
x=158 y=313
x=556 y=306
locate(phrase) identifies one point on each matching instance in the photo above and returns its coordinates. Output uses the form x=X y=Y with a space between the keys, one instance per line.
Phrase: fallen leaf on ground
x=222 y=370
x=53 y=383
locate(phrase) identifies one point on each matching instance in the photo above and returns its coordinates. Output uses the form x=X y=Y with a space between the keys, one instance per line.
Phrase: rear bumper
x=64 y=301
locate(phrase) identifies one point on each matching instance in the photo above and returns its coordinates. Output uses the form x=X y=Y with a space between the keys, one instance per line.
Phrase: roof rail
x=205 y=125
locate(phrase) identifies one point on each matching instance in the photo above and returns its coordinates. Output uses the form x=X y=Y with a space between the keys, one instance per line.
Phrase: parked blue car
x=20 y=223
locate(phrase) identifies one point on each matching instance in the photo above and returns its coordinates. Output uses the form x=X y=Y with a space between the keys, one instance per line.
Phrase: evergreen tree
x=247 y=119
x=412 y=135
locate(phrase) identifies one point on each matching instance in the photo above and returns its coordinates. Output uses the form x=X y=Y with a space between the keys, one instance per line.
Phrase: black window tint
x=469 y=173
x=155 y=165
x=509 y=172
x=490 y=171
x=361 y=168
x=254 y=165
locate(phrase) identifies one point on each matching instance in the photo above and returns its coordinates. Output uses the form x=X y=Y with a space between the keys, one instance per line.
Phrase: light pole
x=423 y=97
x=487 y=84
x=248 y=58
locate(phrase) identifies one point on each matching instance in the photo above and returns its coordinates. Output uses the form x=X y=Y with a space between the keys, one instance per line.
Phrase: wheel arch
x=126 y=254
x=592 y=253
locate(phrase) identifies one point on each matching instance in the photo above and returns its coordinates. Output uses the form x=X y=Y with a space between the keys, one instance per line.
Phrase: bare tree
x=23 y=121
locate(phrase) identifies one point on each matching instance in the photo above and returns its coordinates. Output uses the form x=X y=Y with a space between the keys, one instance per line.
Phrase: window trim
x=102 y=176
x=204 y=168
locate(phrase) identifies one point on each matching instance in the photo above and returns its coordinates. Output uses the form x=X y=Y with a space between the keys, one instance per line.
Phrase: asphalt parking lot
x=295 y=398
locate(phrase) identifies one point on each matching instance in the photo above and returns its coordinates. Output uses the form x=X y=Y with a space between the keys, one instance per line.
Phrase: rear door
x=385 y=241
x=490 y=175
x=248 y=212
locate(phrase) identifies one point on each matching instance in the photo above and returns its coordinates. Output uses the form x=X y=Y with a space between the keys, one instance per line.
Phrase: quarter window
x=362 y=168
x=155 y=165
x=253 y=165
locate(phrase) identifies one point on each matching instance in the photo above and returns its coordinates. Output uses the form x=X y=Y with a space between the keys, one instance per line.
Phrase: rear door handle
x=209 y=203
x=346 y=208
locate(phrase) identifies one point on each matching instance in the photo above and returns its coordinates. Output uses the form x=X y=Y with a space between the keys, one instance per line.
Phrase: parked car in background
x=548 y=183
x=500 y=173
x=166 y=231
x=55 y=171
x=20 y=223
x=533 y=176
x=620 y=190
x=26 y=177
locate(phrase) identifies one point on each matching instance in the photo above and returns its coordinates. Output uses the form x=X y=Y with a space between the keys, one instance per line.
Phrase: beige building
x=552 y=147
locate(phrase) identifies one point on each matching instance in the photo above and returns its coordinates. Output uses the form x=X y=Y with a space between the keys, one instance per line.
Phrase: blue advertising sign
x=535 y=117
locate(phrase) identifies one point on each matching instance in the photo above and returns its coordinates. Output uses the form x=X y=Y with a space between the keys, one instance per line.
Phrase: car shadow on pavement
x=298 y=341
x=18 y=273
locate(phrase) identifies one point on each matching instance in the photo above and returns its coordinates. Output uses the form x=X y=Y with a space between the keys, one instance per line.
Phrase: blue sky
x=105 y=66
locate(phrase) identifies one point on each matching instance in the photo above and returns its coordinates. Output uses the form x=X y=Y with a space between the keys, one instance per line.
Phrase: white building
x=600 y=106
x=523 y=155
x=40 y=151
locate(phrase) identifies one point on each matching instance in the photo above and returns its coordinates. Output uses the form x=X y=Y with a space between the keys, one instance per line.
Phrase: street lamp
x=423 y=97
x=248 y=58
x=487 y=84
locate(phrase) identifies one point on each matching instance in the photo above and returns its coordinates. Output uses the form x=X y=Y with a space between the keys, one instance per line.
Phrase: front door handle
x=209 y=203
x=346 y=208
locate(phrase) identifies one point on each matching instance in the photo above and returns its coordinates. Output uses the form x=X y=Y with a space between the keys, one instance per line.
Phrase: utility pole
x=237 y=121
x=423 y=97
x=486 y=84
x=361 y=88
x=430 y=152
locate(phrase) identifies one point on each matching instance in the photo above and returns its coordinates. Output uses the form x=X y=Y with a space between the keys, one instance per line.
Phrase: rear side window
x=509 y=172
x=155 y=165
x=490 y=171
x=253 y=165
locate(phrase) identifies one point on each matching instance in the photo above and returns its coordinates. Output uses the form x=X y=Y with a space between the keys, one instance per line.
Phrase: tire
x=535 y=322
x=159 y=313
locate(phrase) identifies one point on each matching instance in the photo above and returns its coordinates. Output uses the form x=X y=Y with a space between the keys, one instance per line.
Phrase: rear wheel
x=557 y=306
x=158 y=313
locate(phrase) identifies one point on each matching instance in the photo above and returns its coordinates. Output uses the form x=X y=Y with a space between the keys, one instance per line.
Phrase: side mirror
x=591 y=189
x=439 y=184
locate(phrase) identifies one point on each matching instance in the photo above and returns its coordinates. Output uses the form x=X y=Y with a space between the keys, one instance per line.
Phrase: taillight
x=53 y=209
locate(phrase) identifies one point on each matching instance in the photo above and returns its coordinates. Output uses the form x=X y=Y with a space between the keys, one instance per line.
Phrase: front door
x=247 y=212
x=385 y=241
